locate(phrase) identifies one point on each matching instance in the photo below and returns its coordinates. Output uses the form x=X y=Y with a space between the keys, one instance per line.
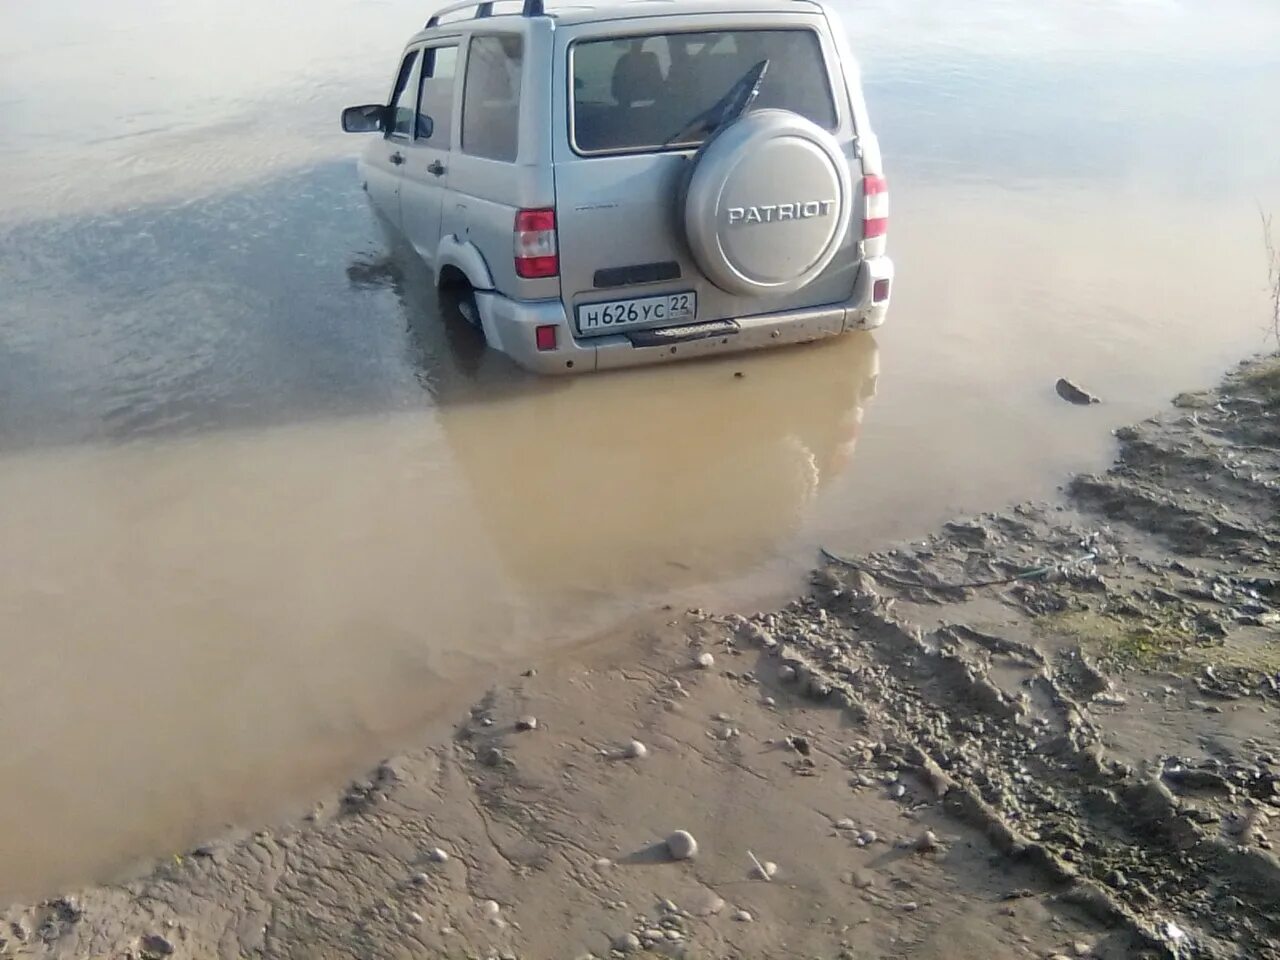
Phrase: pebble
x=910 y=906
x=627 y=943
x=867 y=837
x=927 y=842
x=767 y=870
x=769 y=702
x=722 y=718
x=636 y=750
x=155 y=944
x=705 y=661
x=674 y=935
x=420 y=878
x=527 y=723
x=844 y=823
x=743 y=916
x=681 y=845
x=1082 y=949
x=786 y=673
x=603 y=863
x=438 y=855
x=416 y=917
x=490 y=909
x=897 y=791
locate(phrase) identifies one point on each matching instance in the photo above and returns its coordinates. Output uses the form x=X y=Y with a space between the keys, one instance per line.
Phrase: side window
x=491 y=97
x=439 y=70
x=401 y=105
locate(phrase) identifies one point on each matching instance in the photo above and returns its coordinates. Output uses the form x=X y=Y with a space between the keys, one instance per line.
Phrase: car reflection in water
x=635 y=481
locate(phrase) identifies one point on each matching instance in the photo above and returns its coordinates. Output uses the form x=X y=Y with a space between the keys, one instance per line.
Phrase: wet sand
x=1044 y=732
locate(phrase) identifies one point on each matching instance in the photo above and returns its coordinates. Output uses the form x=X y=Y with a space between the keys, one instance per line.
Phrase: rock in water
x=681 y=845
x=1073 y=394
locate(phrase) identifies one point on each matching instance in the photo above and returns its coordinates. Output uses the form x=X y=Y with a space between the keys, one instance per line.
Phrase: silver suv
x=646 y=181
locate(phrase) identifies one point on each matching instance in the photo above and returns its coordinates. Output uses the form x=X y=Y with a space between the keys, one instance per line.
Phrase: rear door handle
x=436 y=167
x=397 y=158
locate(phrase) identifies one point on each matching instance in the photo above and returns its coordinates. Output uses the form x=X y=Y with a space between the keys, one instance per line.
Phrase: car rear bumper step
x=664 y=336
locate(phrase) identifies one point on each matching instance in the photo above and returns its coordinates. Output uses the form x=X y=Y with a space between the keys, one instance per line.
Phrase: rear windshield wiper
x=728 y=108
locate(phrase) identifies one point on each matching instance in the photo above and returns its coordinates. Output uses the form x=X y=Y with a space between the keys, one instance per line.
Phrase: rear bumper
x=510 y=325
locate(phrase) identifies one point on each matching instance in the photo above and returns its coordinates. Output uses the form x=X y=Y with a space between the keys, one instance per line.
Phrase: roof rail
x=484 y=8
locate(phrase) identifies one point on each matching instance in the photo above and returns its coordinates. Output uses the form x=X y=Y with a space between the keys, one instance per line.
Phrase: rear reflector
x=880 y=291
x=875 y=212
x=545 y=337
x=536 y=250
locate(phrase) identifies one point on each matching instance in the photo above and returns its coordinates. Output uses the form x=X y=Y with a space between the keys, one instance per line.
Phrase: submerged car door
x=385 y=159
x=425 y=172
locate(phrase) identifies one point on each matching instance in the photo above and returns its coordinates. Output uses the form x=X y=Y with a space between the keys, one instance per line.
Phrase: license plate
x=598 y=318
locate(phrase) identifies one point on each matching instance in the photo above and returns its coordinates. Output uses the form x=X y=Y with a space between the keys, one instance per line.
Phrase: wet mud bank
x=1048 y=732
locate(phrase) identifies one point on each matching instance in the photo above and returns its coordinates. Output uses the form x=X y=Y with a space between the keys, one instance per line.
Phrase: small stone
x=722 y=718
x=491 y=909
x=415 y=916
x=668 y=906
x=419 y=879
x=438 y=856
x=844 y=823
x=156 y=945
x=910 y=906
x=681 y=845
x=867 y=837
x=674 y=935
x=492 y=757
x=766 y=870
x=705 y=661
x=769 y=702
x=927 y=842
x=603 y=863
x=786 y=673
x=1073 y=394
x=527 y=723
x=1111 y=699
x=897 y=791
x=743 y=916
x=635 y=750
x=652 y=934
x=1082 y=949
x=627 y=943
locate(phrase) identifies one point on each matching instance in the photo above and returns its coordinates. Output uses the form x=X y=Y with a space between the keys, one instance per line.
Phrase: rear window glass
x=647 y=92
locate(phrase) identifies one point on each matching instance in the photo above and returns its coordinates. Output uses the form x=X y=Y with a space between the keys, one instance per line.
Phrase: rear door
x=425 y=171
x=384 y=158
x=633 y=85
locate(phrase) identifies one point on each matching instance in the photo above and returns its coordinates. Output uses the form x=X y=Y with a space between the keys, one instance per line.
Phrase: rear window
x=645 y=92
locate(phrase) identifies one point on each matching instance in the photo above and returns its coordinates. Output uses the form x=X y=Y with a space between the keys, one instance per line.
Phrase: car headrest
x=637 y=76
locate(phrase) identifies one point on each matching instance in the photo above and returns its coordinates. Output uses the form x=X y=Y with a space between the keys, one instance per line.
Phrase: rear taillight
x=875 y=207
x=537 y=254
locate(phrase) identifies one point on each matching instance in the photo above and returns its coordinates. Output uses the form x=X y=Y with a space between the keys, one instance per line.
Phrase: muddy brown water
x=264 y=510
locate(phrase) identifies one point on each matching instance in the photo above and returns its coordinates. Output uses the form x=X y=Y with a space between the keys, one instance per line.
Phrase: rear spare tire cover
x=768 y=203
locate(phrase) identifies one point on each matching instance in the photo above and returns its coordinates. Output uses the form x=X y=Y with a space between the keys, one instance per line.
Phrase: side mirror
x=426 y=127
x=369 y=118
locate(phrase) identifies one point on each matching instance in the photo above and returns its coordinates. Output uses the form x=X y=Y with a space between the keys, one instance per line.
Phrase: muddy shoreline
x=1050 y=731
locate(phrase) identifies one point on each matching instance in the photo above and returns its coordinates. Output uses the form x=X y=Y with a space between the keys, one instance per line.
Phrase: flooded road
x=265 y=509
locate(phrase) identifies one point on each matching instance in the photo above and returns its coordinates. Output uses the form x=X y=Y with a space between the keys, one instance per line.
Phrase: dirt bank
x=1048 y=732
